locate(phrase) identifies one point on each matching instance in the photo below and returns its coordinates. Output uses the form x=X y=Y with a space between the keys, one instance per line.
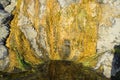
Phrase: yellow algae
x=17 y=41
x=10 y=44
x=52 y=23
x=76 y=24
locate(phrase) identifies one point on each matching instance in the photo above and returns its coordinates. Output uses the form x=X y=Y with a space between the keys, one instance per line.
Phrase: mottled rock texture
x=109 y=36
x=83 y=31
x=5 y=18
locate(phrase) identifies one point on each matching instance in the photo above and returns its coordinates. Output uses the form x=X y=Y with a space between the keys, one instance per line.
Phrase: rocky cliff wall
x=83 y=31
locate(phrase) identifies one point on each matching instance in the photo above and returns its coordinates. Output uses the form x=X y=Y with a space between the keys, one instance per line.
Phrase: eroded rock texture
x=5 y=18
x=51 y=29
x=83 y=31
x=109 y=36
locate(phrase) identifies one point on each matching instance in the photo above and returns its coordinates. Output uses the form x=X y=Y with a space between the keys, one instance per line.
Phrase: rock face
x=109 y=36
x=108 y=39
x=5 y=18
x=83 y=31
x=53 y=30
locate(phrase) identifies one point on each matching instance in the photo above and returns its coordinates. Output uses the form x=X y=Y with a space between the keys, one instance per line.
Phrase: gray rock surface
x=108 y=36
x=11 y=7
x=108 y=32
x=4 y=32
x=5 y=18
x=65 y=3
x=4 y=63
x=5 y=2
x=3 y=52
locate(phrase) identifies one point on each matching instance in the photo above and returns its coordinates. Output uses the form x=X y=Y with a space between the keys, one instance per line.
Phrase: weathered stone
x=5 y=17
x=76 y=30
x=3 y=52
x=65 y=52
x=108 y=38
x=4 y=63
x=4 y=31
x=65 y=3
x=5 y=2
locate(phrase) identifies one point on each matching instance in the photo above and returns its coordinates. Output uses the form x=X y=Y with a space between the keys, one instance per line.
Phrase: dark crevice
x=115 y=72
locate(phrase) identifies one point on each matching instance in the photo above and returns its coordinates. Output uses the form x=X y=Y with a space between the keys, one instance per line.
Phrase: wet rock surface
x=55 y=70
x=5 y=2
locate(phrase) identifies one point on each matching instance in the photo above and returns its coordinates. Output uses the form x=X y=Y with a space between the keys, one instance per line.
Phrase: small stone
x=65 y=3
x=64 y=54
